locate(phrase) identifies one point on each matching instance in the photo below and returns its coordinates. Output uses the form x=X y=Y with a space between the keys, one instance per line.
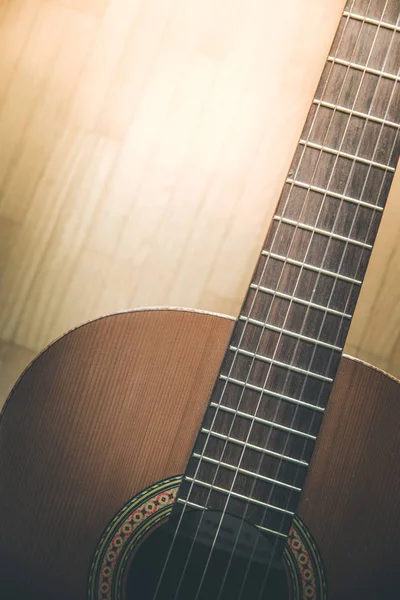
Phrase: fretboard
x=256 y=441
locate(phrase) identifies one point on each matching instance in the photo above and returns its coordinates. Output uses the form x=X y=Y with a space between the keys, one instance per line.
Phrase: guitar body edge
x=114 y=406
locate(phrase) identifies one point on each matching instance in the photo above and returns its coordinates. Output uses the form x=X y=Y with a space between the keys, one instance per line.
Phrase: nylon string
x=303 y=150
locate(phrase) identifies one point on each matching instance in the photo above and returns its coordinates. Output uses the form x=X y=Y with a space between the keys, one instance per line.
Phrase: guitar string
x=391 y=157
x=357 y=153
x=199 y=523
x=191 y=486
x=322 y=324
x=185 y=565
x=382 y=185
x=274 y=420
x=180 y=519
x=354 y=220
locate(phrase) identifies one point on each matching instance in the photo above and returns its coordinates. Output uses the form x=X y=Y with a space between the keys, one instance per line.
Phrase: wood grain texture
x=116 y=404
x=93 y=435
x=352 y=492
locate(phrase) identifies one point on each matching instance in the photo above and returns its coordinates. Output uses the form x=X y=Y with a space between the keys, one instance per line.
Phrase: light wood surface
x=143 y=148
x=116 y=405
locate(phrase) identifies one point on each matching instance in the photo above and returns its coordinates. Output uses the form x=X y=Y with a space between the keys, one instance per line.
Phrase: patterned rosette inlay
x=141 y=514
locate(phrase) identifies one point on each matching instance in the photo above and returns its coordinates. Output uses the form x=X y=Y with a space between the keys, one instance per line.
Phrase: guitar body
x=101 y=425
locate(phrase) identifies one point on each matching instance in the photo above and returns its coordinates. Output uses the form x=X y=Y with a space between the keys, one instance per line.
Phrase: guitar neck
x=258 y=434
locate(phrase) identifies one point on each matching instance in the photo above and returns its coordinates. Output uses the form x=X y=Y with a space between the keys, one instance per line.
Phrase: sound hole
x=237 y=564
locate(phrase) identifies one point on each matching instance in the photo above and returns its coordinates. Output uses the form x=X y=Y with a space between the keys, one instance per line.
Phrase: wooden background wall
x=143 y=145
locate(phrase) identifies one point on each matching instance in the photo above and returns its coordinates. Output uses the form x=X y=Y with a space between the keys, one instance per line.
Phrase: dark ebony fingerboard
x=258 y=434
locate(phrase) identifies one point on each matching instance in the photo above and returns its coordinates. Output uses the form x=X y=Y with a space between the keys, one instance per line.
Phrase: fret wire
x=204 y=508
x=245 y=472
x=371 y=21
x=357 y=209
x=298 y=263
x=326 y=192
x=222 y=436
x=328 y=234
x=358 y=67
x=180 y=519
x=224 y=509
x=325 y=87
x=256 y=419
x=299 y=336
x=280 y=364
x=267 y=530
x=217 y=488
x=330 y=311
x=356 y=113
x=383 y=122
x=189 y=503
x=211 y=550
x=353 y=157
x=376 y=146
x=264 y=390
x=379 y=136
x=347 y=155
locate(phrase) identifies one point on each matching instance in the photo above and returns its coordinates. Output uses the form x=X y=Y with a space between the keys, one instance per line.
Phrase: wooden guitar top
x=115 y=405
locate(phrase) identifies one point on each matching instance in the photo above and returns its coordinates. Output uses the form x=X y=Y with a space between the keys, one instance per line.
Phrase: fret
x=249 y=459
x=316 y=209
x=268 y=406
x=297 y=317
x=340 y=174
x=360 y=140
x=365 y=69
x=371 y=21
x=225 y=465
x=279 y=379
x=325 y=309
x=228 y=438
x=317 y=250
x=328 y=234
x=278 y=363
x=270 y=341
x=263 y=390
x=366 y=44
x=237 y=495
x=277 y=533
x=309 y=285
x=326 y=192
x=245 y=415
x=385 y=10
x=364 y=161
x=270 y=396
x=191 y=504
x=298 y=263
x=377 y=95
x=204 y=508
x=251 y=431
x=356 y=113
x=290 y=333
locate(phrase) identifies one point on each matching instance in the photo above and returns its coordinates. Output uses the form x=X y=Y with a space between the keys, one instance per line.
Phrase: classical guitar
x=173 y=453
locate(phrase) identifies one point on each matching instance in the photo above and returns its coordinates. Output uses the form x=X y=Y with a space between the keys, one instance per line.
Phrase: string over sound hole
x=206 y=558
